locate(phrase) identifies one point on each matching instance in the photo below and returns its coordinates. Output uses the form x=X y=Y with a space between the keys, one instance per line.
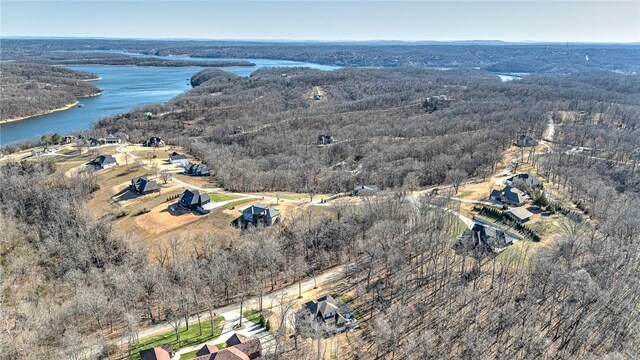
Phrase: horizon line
x=44 y=37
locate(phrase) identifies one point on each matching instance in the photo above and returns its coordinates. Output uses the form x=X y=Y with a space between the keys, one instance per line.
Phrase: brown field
x=161 y=219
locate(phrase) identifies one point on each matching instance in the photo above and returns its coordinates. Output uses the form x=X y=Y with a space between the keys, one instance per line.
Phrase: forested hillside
x=390 y=126
x=29 y=89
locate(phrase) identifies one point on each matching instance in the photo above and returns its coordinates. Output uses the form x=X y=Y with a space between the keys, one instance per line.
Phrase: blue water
x=124 y=88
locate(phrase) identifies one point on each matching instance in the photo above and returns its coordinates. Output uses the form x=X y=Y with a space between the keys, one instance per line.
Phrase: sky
x=513 y=20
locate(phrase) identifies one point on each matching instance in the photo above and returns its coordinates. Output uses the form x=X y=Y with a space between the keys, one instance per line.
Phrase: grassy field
x=189 y=337
x=217 y=197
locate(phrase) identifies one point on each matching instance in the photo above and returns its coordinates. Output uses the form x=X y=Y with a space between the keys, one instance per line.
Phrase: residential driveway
x=251 y=330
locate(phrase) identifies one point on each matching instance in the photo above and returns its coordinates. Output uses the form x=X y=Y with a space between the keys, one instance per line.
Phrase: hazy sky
x=514 y=20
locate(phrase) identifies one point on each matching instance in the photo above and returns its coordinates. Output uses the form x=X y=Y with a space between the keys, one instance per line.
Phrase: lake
x=124 y=88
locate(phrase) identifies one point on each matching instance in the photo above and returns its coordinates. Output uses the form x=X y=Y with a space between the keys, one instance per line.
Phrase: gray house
x=481 y=241
x=178 y=159
x=104 y=162
x=525 y=140
x=360 y=190
x=528 y=180
x=111 y=139
x=192 y=199
x=334 y=314
x=197 y=170
x=144 y=186
x=260 y=214
x=510 y=195
x=153 y=141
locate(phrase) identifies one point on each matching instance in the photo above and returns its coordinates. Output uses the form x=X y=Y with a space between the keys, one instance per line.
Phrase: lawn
x=239 y=202
x=217 y=197
x=189 y=337
x=252 y=315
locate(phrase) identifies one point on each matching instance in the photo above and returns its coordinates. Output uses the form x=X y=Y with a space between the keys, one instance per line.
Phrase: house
x=197 y=170
x=360 y=190
x=510 y=195
x=178 y=159
x=93 y=142
x=521 y=214
x=144 y=186
x=192 y=199
x=527 y=180
x=525 y=140
x=238 y=130
x=163 y=352
x=514 y=196
x=317 y=97
x=334 y=314
x=104 y=162
x=237 y=347
x=481 y=241
x=37 y=152
x=260 y=214
x=68 y=139
x=111 y=139
x=153 y=141
x=324 y=140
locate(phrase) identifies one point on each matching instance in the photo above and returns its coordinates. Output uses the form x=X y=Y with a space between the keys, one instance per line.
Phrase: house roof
x=193 y=197
x=104 y=160
x=251 y=347
x=197 y=168
x=261 y=209
x=528 y=179
x=521 y=213
x=207 y=349
x=495 y=193
x=236 y=339
x=514 y=195
x=176 y=156
x=326 y=305
x=366 y=187
x=157 y=353
x=245 y=350
x=481 y=240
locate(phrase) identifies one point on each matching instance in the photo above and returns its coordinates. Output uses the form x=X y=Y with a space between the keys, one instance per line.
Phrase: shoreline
x=66 y=107
x=63 y=108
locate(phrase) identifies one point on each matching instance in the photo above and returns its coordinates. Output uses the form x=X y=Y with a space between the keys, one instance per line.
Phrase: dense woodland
x=29 y=89
x=392 y=127
x=68 y=282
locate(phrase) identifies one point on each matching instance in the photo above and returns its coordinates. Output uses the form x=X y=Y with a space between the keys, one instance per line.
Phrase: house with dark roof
x=103 y=162
x=144 y=186
x=178 y=159
x=237 y=347
x=324 y=140
x=481 y=241
x=197 y=170
x=510 y=195
x=332 y=313
x=153 y=141
x=192 y=199
x=527 y=180
x=163 y=352
x=524 y=140
x=363 y=190
x=260 y=214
